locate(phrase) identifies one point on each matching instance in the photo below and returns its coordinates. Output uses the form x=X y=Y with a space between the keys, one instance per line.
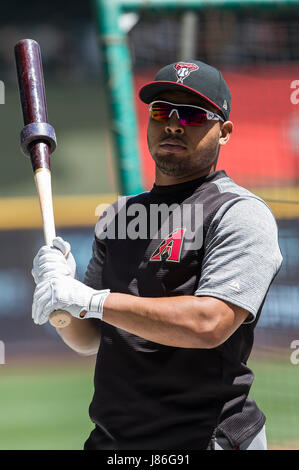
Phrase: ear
x=226 y=130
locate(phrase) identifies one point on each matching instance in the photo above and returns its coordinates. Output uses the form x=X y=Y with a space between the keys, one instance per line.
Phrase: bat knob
x=60 y=318
x=38 y=132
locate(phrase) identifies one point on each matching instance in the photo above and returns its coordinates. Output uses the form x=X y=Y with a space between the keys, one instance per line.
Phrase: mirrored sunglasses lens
x=192 y=116
x=160 y=111
x=188 y=115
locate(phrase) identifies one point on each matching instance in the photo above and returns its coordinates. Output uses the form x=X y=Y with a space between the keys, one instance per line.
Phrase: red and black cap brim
x=150 y=91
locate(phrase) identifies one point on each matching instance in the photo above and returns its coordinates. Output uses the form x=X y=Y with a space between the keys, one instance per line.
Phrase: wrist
x=94 y=309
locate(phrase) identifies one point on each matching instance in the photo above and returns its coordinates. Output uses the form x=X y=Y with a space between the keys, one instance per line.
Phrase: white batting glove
x=55 y=260
x=66 y=293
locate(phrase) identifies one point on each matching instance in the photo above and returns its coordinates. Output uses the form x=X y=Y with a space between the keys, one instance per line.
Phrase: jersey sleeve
x=242 y=255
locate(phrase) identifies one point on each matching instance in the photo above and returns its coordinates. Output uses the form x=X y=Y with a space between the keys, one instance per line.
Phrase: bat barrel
x=31 y=81
x=38 y=138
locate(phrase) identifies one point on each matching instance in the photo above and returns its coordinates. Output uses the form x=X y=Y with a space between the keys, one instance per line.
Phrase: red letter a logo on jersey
x=170 y=246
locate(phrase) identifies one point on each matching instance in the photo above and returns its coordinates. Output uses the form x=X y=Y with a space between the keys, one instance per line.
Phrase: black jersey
x=152 y=396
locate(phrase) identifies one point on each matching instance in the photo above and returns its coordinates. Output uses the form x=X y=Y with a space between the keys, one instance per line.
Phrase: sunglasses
x=187 y=114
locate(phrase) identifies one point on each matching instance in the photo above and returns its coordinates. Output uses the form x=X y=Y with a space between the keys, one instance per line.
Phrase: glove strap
x=95 y=307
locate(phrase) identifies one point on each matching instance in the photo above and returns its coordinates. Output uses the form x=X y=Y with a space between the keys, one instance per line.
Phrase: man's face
x=182 y=151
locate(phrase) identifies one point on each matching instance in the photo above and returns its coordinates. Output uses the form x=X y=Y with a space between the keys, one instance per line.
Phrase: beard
x=173 y=165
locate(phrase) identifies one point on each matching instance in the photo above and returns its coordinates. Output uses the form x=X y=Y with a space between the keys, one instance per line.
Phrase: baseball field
x=275 y=390
x=46 y=404
x=45 y=398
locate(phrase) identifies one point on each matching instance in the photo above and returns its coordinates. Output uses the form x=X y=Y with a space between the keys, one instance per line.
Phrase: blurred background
x=46 y=388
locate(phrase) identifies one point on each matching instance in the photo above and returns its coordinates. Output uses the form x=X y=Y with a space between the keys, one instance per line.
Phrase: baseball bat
x=38 y=140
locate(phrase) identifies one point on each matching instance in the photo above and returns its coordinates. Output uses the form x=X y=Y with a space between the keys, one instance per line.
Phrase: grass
x=275 y=389
x=46 y=406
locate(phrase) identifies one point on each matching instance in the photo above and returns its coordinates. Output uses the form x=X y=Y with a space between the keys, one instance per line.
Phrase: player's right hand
x=54 y=261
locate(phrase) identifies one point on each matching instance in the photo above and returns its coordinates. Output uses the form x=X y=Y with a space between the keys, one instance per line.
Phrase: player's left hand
x=65 y=293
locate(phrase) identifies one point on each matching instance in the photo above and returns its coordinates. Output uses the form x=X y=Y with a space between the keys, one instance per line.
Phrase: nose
x=173 y=125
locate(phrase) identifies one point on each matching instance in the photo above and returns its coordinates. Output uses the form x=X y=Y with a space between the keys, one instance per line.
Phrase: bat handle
x=58 y=318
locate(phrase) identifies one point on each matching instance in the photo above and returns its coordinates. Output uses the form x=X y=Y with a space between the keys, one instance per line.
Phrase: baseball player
x=172 y=295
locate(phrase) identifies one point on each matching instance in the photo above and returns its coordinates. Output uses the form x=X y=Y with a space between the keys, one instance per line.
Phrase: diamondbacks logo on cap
x=183 y=70
x=225 y=104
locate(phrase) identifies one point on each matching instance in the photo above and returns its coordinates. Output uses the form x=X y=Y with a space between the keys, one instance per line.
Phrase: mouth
x=172 y=145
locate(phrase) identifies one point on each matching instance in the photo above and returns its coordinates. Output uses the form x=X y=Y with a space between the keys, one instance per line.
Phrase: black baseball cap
x=195 y=77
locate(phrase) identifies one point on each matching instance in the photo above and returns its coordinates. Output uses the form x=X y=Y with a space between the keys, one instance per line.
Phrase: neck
x=162 y=179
